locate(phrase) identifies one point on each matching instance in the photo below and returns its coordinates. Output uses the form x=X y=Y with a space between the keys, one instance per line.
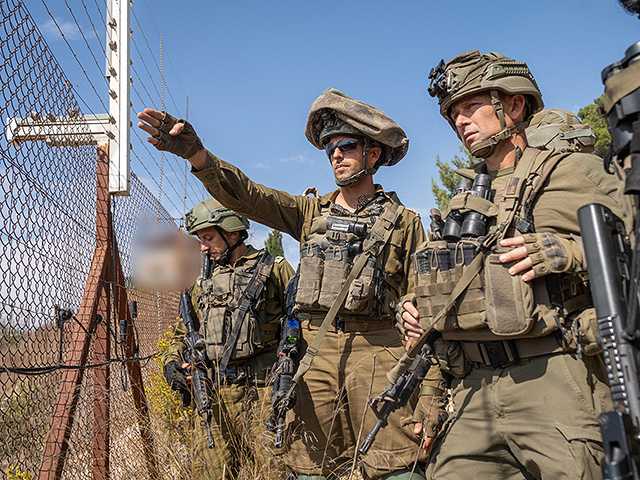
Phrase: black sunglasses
x=345 y=145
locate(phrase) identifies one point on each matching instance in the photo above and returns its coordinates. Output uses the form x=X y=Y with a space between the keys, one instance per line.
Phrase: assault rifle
x=195 y=354
x=614 y=273
x=608 y=259
x=285 y=366
x=398 y=394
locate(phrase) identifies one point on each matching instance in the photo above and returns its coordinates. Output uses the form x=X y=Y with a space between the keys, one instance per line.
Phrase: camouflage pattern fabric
x=333 y=105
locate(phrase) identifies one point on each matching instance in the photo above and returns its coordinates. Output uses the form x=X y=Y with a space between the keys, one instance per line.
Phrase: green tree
x=274 y=244
x=590 y=115
x=449 y=177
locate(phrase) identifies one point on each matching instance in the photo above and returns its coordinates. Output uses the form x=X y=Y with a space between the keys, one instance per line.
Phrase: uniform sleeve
x=415 y=237
x=273 y=208
x=276 y=286
x=176 y=344
x=578 y=180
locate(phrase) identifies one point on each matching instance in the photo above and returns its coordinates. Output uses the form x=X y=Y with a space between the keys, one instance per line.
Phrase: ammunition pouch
x=438 y=267
x=495 y=305
x=326 y=261
x=218 y=309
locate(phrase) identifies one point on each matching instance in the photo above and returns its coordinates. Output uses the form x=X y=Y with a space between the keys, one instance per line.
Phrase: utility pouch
x=249 y=339
x=361 y=298
x=311 y=271
x=451 y=358
x=438 y=267
x=337 y=266
x=212 y=308
x=510 y=300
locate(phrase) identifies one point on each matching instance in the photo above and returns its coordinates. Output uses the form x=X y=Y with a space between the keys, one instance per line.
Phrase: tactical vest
x=218 y=310
x=482 y=300
x=334 y=245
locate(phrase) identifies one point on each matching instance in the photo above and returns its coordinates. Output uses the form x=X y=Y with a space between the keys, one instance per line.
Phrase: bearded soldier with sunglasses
x=517 y=320
x=356 y=244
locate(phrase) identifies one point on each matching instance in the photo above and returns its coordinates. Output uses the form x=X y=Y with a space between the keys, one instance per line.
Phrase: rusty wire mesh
x=47 y=240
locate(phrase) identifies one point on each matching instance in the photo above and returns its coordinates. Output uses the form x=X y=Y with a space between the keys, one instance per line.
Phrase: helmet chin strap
x=486 y=147
x=226 y=255
x=362 y=173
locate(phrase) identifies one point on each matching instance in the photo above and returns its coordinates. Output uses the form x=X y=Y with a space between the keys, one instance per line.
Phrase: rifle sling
x=535 y=168
x=373 y=245
x=251 y=292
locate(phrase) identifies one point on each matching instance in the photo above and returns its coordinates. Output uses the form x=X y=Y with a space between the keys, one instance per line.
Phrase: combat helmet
x=472 y=72
x=334 y=113
x=211 y=213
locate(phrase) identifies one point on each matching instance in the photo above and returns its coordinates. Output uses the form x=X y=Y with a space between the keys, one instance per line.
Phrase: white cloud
x=69 y=29
x=302 y=158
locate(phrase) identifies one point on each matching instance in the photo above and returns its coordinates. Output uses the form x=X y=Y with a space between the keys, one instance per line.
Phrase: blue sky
x=252 y=69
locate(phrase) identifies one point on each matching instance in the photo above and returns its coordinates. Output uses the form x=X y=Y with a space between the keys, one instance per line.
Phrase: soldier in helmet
x=354 y=264
x=241 y=404
x=517 y=321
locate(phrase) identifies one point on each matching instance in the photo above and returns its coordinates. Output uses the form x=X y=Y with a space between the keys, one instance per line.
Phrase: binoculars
x=472 y=224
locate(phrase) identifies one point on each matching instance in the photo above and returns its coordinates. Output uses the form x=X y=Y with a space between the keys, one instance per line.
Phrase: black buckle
x=231 y=374
x=339 y=325
x=498 y=353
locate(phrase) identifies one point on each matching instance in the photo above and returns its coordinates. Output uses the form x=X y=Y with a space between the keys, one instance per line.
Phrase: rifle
x=285 y=366
x=398 y=394
x=195 y=354
x=608 y=259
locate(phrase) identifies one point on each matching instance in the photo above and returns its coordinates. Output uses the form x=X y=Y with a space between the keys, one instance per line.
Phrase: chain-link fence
x=49 y=219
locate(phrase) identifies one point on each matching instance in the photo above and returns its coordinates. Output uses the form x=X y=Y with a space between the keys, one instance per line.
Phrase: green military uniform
x=333 y=395
x=529 y=383
x=331 y=414
x=242 y=405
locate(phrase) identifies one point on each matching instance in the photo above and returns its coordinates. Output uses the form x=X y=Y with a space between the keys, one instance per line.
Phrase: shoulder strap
x=532 y=170
x=252 y=291
x=374 y=243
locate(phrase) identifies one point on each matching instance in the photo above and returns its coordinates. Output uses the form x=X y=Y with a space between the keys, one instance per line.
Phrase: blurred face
x=474 y=119
x=211 y=242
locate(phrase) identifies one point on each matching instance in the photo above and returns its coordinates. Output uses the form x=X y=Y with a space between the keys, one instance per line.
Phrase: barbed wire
x=93 y=87
x=75 y=20
x=151 y=52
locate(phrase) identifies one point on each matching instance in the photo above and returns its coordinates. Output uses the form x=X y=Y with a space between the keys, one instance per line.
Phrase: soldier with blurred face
x=241 y=400
x=516 y=317
x=354 y=267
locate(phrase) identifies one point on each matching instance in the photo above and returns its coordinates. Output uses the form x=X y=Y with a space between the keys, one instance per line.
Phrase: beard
x=631 y=6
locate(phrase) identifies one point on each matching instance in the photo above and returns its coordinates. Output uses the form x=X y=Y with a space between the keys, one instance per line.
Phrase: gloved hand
x=177 y=379
x=431 y=413
x=428 y=416
x=540 y=254
x=169 y=133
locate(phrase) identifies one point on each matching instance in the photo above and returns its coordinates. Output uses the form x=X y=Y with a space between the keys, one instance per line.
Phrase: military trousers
x=332 y=415
x=243 y=448
x=534 y=420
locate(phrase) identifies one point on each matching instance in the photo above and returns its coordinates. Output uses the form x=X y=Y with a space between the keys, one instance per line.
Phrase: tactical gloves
x=551 y=254
x=186 y=144
x=177 y=379
x=431 y=412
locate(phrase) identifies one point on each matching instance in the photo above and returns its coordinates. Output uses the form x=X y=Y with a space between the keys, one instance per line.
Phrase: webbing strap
x=378 y=237
x=251 y=292
x=530 y=168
